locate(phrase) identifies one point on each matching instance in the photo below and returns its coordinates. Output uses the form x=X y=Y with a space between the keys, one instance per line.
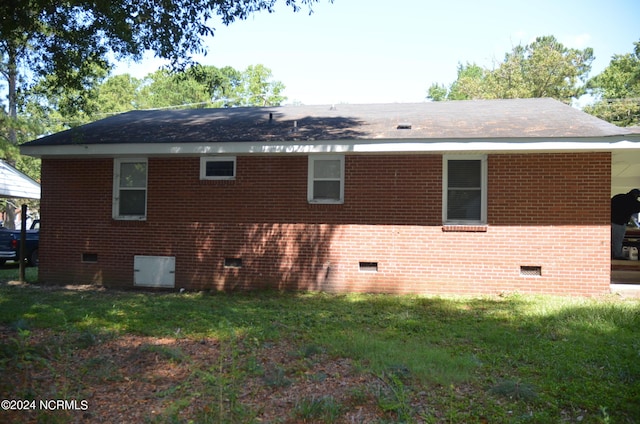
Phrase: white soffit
x=625 y=171
x=338 y=146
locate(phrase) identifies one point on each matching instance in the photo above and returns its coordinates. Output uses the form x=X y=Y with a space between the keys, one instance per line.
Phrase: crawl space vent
x=368 y=266
x=531 y=271
x=233 y=262
x=90 y=258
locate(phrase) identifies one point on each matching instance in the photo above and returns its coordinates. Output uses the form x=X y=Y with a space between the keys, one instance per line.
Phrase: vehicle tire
x=33 y=258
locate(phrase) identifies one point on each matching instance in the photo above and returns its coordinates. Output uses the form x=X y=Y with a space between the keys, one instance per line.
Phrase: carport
x=16 y=185
x=625 y=175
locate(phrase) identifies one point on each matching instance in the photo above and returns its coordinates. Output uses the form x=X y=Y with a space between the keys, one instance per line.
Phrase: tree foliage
x=617 y=90
x=195 y=87
x=53 y=37
x=470 y=81
x=256 y=88
x=544 y=68
x=163 y=89
x=71 y=42
x=208 y=86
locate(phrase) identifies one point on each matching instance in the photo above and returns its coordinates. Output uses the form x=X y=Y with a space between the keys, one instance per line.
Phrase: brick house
x=474 y=197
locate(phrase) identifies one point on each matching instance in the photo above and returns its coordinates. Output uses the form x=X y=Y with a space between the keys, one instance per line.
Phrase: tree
x=57 y=109
x=544 y=68
x=196 y=87
x=469 y=84
x=118 y=94
x=163 y=89
x=220 y=83
x=617 y=90
x=71 y=39
x=228 y=87
x=44 y=38
x=437 y=92
x=257 y=87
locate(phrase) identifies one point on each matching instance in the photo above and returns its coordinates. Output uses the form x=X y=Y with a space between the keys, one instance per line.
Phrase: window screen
x=218 y=168
x=132 y=202
x=464 y=190
x=326 y=179
x=130 y=195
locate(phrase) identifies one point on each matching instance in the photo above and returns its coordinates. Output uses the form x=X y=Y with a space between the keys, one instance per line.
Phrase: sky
x=368 y=51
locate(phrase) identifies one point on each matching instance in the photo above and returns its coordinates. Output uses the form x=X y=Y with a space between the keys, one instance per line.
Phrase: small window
x=326 y=179
x=130 y=189
x=218 y=168
x=464 y=190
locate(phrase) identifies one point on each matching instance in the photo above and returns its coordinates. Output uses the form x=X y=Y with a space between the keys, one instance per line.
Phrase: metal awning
x=15 y=184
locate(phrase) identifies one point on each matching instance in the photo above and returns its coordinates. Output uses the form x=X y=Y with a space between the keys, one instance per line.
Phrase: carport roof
x=15 y=184
x=479 y=119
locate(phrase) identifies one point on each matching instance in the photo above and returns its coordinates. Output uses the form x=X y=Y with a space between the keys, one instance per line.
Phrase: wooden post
x=23 y=242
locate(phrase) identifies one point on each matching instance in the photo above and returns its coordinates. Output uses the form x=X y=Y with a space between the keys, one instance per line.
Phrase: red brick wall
x=546 y=210
x=549 y=189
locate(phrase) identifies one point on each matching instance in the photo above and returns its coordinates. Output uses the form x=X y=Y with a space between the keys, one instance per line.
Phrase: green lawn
x=512 y=359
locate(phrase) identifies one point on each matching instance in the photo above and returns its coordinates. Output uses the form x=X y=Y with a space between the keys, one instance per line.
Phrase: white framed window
x=464 y=189
x=326 y=179
x=130 y=189
x=218 y=168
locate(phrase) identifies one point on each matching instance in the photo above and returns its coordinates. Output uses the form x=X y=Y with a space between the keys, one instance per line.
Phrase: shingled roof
x=483 y=119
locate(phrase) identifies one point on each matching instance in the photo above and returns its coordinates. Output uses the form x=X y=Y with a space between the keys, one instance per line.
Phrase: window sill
x=220 y=181
x=129 y=219
x=464 y=228
x=326 y=202
x=217 y=178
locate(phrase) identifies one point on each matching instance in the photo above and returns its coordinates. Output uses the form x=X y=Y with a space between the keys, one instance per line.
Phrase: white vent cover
x=154 y=271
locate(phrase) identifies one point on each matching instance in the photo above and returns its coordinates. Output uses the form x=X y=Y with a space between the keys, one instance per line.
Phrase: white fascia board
x=340 y=146
x=467 y=146
x=180 y=149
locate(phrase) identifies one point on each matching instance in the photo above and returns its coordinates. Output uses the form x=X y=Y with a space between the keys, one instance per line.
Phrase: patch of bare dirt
x=145 y=379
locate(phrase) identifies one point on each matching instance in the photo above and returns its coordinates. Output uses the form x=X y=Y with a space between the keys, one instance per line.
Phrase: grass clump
x=324 y=409
x=276 y=376
x=516 y=390
x=395 y=396
x=170 y=353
